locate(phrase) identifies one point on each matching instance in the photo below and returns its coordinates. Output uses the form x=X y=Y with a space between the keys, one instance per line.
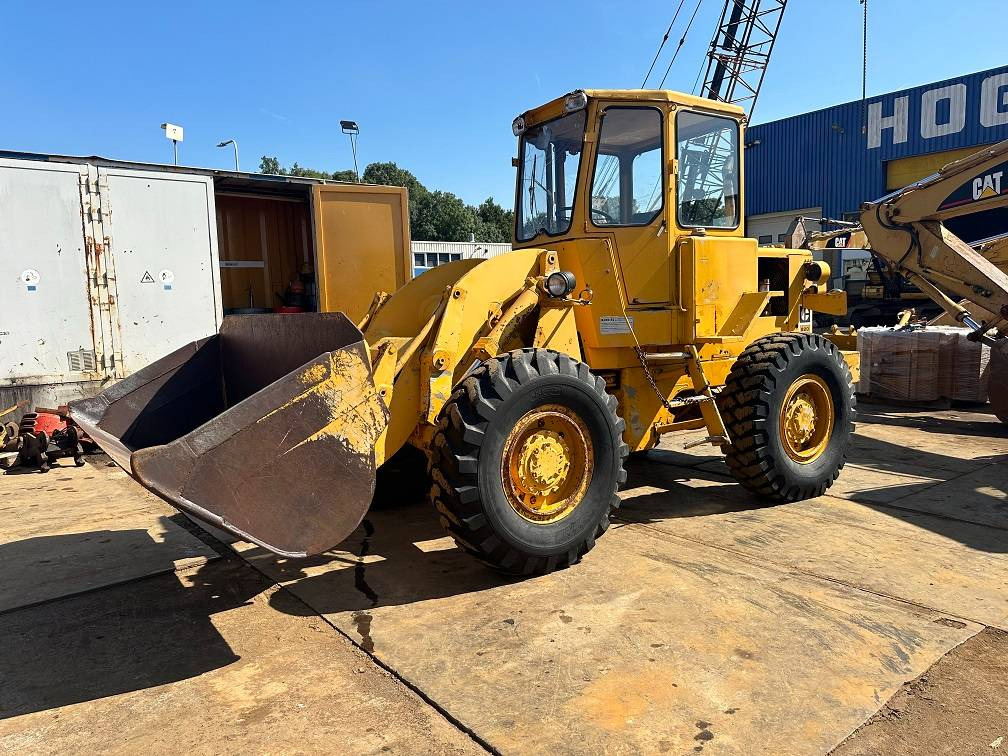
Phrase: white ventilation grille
x=83 y=360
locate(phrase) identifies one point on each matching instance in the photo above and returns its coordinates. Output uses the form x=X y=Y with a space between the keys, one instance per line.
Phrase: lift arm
x=907 y=229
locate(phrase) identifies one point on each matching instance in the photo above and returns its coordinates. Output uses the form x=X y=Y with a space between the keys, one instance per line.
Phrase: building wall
x=427 y=254
x=837 y=158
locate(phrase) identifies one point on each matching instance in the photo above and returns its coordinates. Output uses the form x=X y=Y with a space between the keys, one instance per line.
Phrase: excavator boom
x=907 y=229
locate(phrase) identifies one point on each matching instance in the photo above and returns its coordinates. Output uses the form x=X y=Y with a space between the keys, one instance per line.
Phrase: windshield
x=550 y=157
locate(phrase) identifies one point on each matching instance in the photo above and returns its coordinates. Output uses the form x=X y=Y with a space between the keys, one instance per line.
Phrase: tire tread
x=455 y=455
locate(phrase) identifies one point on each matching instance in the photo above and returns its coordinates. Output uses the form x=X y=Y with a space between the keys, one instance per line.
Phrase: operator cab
x=639 y=192
x=635 y=132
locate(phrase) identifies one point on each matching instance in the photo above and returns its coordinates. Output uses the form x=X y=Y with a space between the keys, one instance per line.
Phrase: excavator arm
x=907 y=229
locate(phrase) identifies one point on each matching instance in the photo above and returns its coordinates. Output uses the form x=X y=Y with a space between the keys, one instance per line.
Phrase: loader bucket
x=266 y=430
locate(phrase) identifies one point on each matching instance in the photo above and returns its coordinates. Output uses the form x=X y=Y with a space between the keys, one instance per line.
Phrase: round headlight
x=518 y=126
x=560 y=284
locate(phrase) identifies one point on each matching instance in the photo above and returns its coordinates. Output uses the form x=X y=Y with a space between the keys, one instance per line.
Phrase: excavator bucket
x=266 y=430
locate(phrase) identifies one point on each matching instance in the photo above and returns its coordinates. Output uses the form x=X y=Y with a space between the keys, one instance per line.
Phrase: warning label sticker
x=610 y=324
x=147 y=277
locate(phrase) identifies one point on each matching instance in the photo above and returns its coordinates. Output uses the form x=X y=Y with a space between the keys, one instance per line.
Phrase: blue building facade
x=836 y=158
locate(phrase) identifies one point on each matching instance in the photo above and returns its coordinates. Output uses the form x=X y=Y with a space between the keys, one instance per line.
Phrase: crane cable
x=609 y=171
x=662 y=45
x=682 y=40
x=864 y=71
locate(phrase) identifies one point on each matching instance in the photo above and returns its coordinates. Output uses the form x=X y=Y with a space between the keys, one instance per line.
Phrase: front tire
x=526 y=461
x=788 y=405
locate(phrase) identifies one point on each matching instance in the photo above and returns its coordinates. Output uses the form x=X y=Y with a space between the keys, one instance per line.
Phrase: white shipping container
x=105 y=270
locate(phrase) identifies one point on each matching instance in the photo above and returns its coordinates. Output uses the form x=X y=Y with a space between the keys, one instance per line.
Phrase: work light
x=575 y=101
x=560 y=284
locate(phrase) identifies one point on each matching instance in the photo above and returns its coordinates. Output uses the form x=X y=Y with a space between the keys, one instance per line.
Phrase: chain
x=670 y=407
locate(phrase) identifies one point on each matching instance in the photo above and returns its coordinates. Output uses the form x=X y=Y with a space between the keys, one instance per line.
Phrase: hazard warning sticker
x=610 y=324
x=147 y=277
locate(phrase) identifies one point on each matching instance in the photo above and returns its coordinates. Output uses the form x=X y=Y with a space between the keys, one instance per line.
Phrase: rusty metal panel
x=47 y=335
x=266 y=430
x=362 y=244
x=100 y=271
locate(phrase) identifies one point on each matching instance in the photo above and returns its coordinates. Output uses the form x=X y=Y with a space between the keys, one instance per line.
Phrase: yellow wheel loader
x=631 y=307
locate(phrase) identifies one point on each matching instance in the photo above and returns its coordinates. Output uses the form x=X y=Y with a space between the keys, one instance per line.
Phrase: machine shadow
x=399 y=555
x=668 y=490
x=123 y=638
x=926 y=421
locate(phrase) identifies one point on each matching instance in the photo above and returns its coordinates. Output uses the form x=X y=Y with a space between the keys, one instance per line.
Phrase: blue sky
x=434 y=85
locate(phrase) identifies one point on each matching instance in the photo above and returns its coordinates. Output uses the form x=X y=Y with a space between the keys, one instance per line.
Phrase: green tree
x=495 y=223
x=390 y=174
x=434 y=216
x=271 y=164
x=297 y=170
x=441 y=216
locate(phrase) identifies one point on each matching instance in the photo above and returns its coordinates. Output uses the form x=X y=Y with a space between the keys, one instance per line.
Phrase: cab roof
x=555 y=107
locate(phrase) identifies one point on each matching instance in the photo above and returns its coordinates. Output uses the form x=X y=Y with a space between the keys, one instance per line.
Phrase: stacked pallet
x=922 y=365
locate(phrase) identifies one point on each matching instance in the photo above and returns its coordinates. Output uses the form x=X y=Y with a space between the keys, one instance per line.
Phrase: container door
x=47 y=334
x=163 y=240
x=362 y=241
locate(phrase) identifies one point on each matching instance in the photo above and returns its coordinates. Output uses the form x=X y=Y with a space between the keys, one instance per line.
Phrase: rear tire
x=526 y=461
x=788 y=405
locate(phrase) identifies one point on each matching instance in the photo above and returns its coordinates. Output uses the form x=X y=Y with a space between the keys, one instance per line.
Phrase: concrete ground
x=870 y=619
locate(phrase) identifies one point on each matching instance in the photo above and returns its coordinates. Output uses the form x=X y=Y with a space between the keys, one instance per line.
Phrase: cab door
x=627 y=205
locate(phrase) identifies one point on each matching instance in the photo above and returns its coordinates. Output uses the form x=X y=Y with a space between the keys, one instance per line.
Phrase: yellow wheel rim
x=547 y=463
x=806 y=419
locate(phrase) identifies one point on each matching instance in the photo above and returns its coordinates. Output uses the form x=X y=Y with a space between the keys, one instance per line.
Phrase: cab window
x=708 y=187
x=627 y=187
x=550 y=156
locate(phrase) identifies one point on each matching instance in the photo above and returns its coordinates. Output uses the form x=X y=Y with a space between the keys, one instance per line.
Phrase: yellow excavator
x=631 y=307
x=907 y=229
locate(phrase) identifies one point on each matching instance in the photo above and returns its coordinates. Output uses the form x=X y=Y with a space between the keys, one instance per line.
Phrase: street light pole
x=233 y=143
x=174 y=133
x=350 y=129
